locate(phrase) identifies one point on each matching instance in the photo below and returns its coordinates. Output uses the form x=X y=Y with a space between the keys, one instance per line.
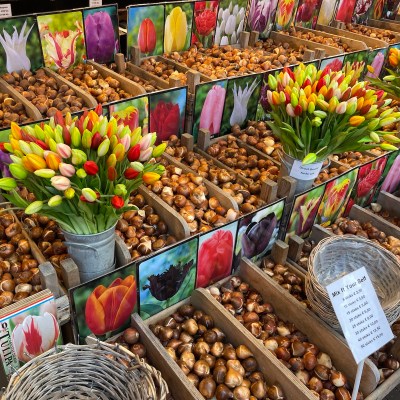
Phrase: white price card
x=305 y=172
x=5 y=10
x=95 y=3
x=360 y=314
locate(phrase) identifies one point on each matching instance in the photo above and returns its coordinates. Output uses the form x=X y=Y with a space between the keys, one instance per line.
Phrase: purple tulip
x=261 y=14
x=4 y=161
x=100 y=37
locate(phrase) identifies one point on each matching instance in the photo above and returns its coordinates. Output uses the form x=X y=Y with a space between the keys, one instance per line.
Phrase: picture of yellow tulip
x=176 y=30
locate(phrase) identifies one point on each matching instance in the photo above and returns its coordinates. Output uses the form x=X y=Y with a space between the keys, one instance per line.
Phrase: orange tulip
x=107 y=309
x=34 y=162
x=356 y=120
x=53 y=161
x=150 y=177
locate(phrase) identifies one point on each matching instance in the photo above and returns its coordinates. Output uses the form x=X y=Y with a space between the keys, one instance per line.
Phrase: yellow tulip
x=175 y=30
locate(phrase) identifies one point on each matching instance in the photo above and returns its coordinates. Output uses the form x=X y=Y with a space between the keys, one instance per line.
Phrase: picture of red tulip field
x=304 y=210
x=103 y=306
x=209 y=107
x=62 y=38
x=167 y=278
x=20 y=45
x=215 y=255
x=101 y=33
x=167 y=113
x=146 y=29
x=336 y=197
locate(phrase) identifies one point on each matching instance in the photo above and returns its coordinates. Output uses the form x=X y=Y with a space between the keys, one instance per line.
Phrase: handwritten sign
x=95 y=3
x=360 y=314
x=305 y=172
x=5 y=10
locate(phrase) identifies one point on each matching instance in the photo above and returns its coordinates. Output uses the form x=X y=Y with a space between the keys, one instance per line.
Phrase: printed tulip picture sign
x=241 y=101
x=285 y=14
x=167 y=113
x=378 y=9
x=104 y=305
x=307 y=13
x=390 y=179
x=356 y=62
x=362 y=11
x=146 y=29
x=375 y=61
x=304 y=211
x=133 y=113
x=257 y=232
x=62 y=38
x=369 y=176
x=335 y=198
x=261 y=16
x=215 y=255
x=390 y=9
x=332 y=63
x=101 y=33
x=231 y=21
x=167 y=278
x=178 y=27
x=209 y=107
x=204 y=23
x=326 y=12
x=19 y=45
x=345 y=10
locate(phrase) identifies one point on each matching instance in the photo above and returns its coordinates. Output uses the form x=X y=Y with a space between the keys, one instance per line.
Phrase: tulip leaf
x=306 y=131
x=151 y=309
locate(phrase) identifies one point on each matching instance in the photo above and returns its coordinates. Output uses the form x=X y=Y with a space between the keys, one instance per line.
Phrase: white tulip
x=241 y=99
x=230 y=25
x=220 y=11
x=223 y=27
x=217 y=38
x=234 y=38
x=15 y=49
x=224 y=41
x=225 y=15
x=235 y=9
x=240 y=27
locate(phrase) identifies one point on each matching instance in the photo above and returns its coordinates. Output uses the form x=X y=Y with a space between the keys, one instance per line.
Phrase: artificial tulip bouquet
x=319 y=113
x=81 y=171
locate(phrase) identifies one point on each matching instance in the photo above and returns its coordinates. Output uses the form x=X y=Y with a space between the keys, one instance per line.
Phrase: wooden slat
x=296 y=42
x=385 y=388
x=48 y=278
x=126 y=84
x=30 y=109
x=70 y=273
x=289 y=309
x=89 y=100
x=384 y=24
x=389 y=203
x=141 y=73
x=296 y=244
x=371 y=42
x=213 y=190
x=279 y=252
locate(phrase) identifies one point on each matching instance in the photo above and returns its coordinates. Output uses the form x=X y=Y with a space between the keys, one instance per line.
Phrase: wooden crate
x=385 y=24
x=370 y=42
x=237 y=334
x=391 y=204
x=30 y=109
x=287 y=308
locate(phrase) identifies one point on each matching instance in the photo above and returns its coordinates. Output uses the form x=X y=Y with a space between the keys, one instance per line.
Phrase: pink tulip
x=66 y=169
x=126 y=141
x=35 y=335
x=63 y=150
x=145 y=142
x=211 y=113
x=290 y=110
x=341 y=108
x=60 y=182
x=146 y=154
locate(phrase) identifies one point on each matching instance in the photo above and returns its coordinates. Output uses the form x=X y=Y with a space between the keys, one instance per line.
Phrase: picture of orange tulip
x=285 y=13
x=147 y=36
x=108 y=309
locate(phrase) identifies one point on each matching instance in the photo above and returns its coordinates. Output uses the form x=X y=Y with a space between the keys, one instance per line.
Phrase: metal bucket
x=94 y=254
x=302 y=184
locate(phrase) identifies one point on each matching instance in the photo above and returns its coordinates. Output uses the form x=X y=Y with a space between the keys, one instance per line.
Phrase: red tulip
x=205 y=22
x=130 y=173
x=112 y=174
x=107 y=309
x=134 y=153
x=165 y=120
x=91 y=168
x=147 y=36
x=215 y=258
x=117 y=202
x=96 y=140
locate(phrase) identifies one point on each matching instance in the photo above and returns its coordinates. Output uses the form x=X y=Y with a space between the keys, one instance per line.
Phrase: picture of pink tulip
x=213 y=108
x=35 y=335
x=376 y=66
x=392 y=181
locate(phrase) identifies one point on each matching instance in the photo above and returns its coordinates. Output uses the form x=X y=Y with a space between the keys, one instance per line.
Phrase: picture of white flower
x=230 y=22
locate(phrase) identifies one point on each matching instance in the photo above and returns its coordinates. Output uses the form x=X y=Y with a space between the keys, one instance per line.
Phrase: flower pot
x=94 y=254
x=304 y=174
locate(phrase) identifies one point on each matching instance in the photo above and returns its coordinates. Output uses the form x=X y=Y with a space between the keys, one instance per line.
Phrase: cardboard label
x=360 y=314
x=5 y=10
x=305 y=172
x=95 y=3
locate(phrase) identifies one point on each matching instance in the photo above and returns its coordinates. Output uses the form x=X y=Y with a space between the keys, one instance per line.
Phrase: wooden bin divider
x=141 y=73
x=342 y=31
x=31 y=110
x=236 y=334
x=354 y=44
x=384 y=24
x=391 y=204
x=296 y=244
x=89 y=100
x=288 y=308
x=225 y=200
x=126 y=84
x=296 y=42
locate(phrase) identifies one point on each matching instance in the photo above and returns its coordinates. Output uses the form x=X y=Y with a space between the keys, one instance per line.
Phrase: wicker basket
x=100 y=371
x=337 y=256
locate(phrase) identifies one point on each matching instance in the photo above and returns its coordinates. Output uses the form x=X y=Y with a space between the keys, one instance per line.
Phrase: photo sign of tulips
x=103 y=306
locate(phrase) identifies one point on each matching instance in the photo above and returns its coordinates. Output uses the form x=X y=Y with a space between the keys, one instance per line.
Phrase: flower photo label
x=5 y=10
x=95 y=3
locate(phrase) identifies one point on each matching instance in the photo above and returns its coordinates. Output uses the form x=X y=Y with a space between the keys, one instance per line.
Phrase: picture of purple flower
x=262 y=15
